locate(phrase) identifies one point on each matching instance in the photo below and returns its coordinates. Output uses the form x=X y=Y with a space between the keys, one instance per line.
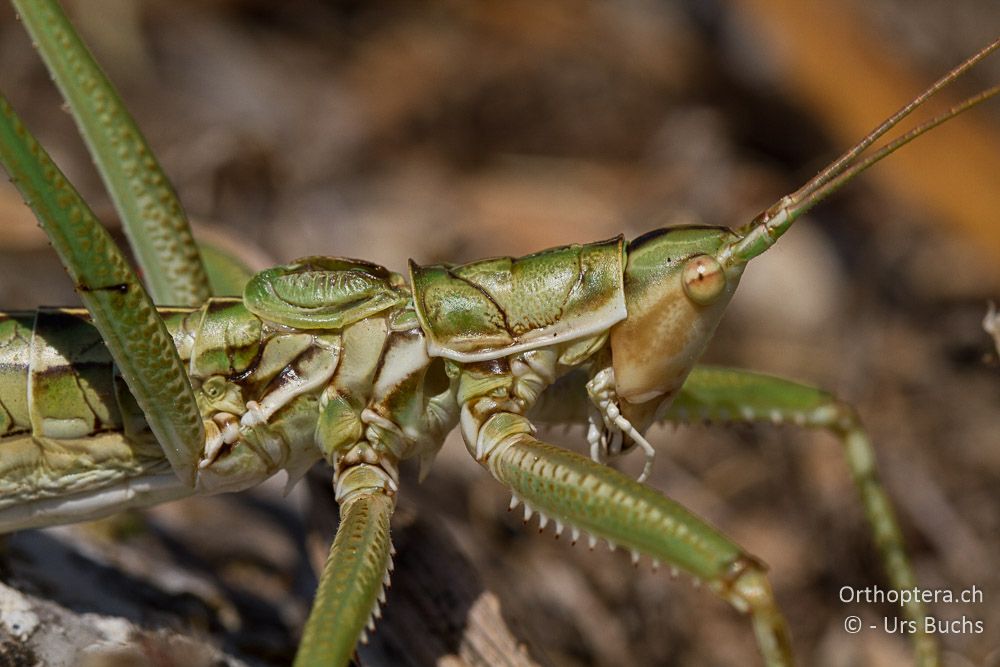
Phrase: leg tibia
x=355 y=572
x=577 y=492
x=565 y=486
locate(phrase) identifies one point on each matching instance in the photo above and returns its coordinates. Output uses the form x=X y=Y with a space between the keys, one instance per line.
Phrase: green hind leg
x=151 y=214
x=724 y=395
x=121 y=310
x=129 y=324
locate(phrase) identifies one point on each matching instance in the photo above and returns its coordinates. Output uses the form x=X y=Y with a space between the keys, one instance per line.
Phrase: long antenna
x=843 y=162
x=770 y=224
x=819 y=192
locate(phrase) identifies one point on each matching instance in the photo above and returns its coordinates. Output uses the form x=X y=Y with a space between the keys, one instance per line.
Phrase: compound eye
x=704 y=280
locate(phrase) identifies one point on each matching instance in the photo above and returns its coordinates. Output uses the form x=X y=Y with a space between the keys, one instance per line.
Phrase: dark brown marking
x=120 y=288
x=251 y=367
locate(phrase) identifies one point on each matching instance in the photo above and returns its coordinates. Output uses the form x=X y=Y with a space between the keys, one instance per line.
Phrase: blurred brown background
x=449 y=131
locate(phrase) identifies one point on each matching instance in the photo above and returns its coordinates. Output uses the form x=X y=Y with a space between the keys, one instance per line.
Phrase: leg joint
x=498 y=433
x=745 y=584
x=366 y=479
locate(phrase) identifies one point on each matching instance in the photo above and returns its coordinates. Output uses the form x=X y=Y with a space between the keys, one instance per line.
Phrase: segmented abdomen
x=68 y=423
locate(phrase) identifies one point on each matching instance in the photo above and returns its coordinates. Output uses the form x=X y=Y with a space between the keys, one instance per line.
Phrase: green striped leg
x=722 y=394
x=123 y=313
x=576 y=493
x=151 y=214
x=352 y=585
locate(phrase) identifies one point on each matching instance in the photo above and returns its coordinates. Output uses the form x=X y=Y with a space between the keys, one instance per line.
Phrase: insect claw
x=542 y=522
x=386 y=582
x=364 y=637
x=527 y=513
x=591 y=541
x=576 y=534
x=656 y=565
x=514 y=502
x=559 y=529
x=635 y=558
x=371 y=623
x=674 y=572
x=381 y=596
x=611 y=545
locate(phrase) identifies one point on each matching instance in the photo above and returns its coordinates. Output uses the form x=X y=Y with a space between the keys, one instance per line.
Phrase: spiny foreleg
x=725 y=395
x=582 y=495
x=606 y=412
